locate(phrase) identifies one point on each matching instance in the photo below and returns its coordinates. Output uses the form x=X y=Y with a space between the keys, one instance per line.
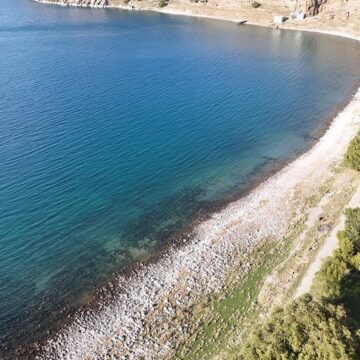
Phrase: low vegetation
x=352 y=156
x=221 y=324
x=324 y=325
x=338 y=281
x=305 y=329
x=320 y=325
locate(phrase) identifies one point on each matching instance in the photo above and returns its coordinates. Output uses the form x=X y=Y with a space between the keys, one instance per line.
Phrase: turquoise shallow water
x=118 y=128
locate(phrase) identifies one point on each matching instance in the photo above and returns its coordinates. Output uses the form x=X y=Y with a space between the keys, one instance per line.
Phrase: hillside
x=340 y=16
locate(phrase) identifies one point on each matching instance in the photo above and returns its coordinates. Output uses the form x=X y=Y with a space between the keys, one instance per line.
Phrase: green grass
x=226 y=309
x=221 y=322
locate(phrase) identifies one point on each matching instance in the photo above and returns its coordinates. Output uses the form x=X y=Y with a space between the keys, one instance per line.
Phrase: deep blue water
x=117 y=128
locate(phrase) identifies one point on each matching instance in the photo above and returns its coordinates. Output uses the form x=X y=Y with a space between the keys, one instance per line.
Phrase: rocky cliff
x=314 y=6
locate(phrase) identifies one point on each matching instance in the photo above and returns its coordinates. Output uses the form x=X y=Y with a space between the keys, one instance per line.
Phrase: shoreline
x=288 y=25
x=200 y=266
x=105 y=294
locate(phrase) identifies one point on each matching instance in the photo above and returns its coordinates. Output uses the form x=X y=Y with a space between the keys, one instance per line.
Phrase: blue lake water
x=118 y=128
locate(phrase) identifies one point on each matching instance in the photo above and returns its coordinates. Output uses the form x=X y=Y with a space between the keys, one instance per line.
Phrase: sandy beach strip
x=231 y=15
x=202 y=264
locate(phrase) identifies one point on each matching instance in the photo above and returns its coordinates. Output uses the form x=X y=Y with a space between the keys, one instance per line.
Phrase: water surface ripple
x=117 y=128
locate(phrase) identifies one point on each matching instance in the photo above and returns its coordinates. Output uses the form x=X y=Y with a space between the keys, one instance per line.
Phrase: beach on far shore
x=344 y=21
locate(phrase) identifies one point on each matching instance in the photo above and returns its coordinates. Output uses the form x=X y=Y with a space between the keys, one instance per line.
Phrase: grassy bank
x=322 y=324
x=221 y=322
x=325 y=323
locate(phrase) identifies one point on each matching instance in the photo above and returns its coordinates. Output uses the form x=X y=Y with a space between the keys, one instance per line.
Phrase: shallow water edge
x=168 y=241
x=118 y=289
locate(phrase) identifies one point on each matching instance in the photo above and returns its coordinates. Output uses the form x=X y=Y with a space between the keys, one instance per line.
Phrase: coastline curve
x=203 y=262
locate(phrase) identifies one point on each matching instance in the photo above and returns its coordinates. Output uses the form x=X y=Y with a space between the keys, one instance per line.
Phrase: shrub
x=352 y=156
x=346 y=247
x=328 y=280
x=355 y=262
x=352 y=226
x=305 y=329
x=319 y=329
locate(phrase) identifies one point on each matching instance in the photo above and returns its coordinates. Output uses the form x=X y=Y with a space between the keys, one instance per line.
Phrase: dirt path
x=327 y=249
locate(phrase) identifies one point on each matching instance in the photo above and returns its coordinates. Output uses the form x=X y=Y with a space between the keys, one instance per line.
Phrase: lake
x=120 y=128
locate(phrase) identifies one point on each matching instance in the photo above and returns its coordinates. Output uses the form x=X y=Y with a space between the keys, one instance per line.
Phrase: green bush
x=322 y=328
x=352 y=156
x=305 y=329
x=328 y=280
x=355 y=262
x=352 y=227
x=346 y=247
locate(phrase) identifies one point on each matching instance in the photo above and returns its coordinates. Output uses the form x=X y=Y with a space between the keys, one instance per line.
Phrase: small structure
x=240 y=22
x=278 y=19
x=298 y=15
x=301 y=16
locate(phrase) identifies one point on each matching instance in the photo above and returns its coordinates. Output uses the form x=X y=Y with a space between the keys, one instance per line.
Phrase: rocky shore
x=147 y=317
